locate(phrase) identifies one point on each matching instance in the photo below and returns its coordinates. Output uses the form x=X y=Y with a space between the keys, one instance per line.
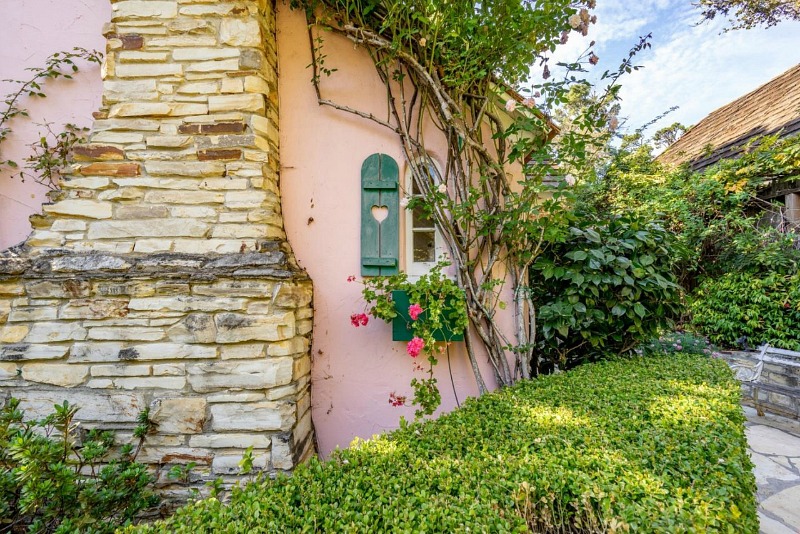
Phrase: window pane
x=425 y=246
x=421 y=219
x=415 y=188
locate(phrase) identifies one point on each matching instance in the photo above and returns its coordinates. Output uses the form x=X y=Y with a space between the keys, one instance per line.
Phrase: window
x=424 y=245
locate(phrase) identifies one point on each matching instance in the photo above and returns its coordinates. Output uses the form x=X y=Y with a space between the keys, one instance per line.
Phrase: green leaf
x=577 y=255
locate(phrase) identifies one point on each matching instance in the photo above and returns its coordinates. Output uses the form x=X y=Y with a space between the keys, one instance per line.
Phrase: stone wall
x=160 y=276
x=777 y=390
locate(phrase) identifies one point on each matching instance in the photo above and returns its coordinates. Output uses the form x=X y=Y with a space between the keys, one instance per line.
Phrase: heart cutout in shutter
x=379 y=213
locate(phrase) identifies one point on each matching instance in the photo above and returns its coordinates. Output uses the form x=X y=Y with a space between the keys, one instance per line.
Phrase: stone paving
x=775 y=451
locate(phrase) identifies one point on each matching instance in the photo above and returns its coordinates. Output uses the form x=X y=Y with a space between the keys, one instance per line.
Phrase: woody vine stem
x=441 y=64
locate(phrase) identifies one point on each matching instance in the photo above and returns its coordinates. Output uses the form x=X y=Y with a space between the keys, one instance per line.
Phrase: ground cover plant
x=651 y=444
x=680 y=341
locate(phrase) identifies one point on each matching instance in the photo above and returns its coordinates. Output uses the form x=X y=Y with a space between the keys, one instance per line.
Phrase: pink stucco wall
x=33 y=30
x=322 y=150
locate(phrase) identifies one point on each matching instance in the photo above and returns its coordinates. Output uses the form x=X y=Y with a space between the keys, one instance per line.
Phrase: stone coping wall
x=159 y=276
x=777 y=390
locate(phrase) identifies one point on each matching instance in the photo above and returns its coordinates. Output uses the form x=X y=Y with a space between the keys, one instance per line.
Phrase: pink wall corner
x=33 y=30
x=322 y=149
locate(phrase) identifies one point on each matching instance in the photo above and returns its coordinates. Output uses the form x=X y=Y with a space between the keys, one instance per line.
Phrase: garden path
x=775 y=450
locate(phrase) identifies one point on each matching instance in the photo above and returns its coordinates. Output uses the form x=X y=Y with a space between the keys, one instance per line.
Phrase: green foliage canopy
x=734 y=254
x=462 y=44
x=605 y=289
x=762 y=308
x=716 y=216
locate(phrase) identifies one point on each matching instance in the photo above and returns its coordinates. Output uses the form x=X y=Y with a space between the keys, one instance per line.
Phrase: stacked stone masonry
x=159 y=276
x=777 y=390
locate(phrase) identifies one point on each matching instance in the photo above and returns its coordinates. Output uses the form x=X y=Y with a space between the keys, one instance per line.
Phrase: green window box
x=401 y=325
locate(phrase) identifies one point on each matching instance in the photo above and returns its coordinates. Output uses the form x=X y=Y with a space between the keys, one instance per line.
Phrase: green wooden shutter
x=380 y=241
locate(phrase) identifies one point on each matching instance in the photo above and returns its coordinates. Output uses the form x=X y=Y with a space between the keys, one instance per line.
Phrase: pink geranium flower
x=414 y=311
x=359 y=319
x=415 y=346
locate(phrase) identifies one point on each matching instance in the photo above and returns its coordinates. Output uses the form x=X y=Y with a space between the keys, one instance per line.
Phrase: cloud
x=699 y=69
x=695 y=67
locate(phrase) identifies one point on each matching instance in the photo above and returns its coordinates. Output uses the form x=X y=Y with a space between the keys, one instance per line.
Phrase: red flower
x=351 y=278
x=414 y=311
x=359 y=319
x=397 y=400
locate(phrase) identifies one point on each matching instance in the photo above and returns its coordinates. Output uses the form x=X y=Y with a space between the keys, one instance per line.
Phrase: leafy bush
x=651 y=444
x=715 y=215
x=608 y=287
x=760 y=308
x=52 y=481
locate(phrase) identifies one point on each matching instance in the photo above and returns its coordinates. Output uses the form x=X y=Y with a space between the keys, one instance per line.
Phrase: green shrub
x=715 y=215
x=52 y=481
x=649 y=445
x=608 y=287
x=763 y=308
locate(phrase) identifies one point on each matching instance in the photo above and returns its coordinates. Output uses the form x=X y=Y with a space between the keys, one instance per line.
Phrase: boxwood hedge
x=653 y=444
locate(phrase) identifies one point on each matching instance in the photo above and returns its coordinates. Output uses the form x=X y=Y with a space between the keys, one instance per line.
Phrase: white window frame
x=415 y=269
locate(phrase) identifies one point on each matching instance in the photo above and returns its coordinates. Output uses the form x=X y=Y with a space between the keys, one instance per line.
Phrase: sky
x=695 y=67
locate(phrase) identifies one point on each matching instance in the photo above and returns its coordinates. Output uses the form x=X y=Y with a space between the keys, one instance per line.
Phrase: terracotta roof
x=773 y=107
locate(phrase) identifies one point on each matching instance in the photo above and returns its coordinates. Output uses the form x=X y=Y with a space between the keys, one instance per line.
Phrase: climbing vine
x=51 y=151
x=453 y=73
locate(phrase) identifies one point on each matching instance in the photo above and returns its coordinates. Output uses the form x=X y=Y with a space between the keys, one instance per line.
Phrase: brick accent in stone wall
x=160 y=275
